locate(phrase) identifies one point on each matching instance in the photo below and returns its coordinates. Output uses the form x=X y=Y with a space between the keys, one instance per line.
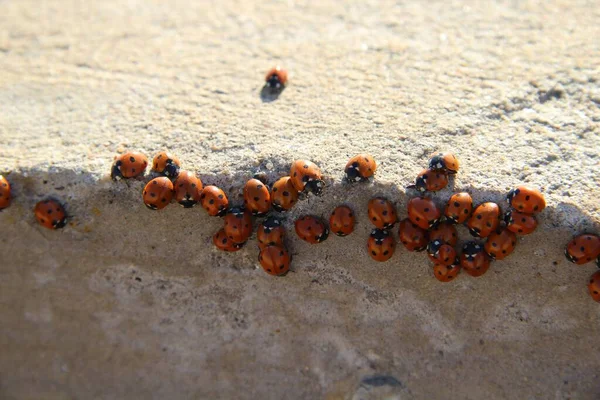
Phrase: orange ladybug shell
x=188 y=188
x=129 y=165
x=306 y=175
x=275 y=260
x=500 y=244
x=423 y=212
x=445 y=232
x=583 y=248
x=444 y=161
x=311 y=229
x=594 y=286
x=4 y=193
x=276 y=77
x=341 y=221
x=473 y=260
x=411 y=236
x=360 y=167
x=158 y=193
x=526 y=200
x=238 y=224
x=166 y=163
x=441 y=253
x=214 y=201
x=50 y=214
x=520 y=223
x=270 y=233
x=382 y=213
x=283 y=195
x=484 y=220
x=431 y=180
x=459 y=207
x=381 y=245
x=222 y=242
x=446 y=273
x=257 y=197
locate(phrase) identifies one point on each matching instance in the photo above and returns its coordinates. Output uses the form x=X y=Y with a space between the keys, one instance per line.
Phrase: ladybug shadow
x=268 y=94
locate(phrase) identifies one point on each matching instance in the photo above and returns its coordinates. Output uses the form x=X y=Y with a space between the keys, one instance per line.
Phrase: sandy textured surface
x=126 y=303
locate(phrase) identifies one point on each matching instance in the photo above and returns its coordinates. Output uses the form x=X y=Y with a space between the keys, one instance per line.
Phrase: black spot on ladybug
x=220 y=196
x=259 y=186
x=224 y=240
x=385 y=213
x=152 y=194
x=132 y=159
x=211 y=201
x=274 y=189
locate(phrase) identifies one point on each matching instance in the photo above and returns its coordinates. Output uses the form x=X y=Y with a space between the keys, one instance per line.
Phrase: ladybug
x=276 y=78
x=381 y=245
x=188 y=188
x=50 y=214
x=238 y=224
x=500 y=244
x=459 y=207
x=445 y=232
x=270 y=233
x=158 y=193
x=360 y=168
x=411 y=236
x=275 y=260
x=423 y=212
x=129 y=165
x=166 y=164
x=306 y=176
x=382 y=213
x=4 y=193
x=441 y=253
x=311 y=229
x=484 y=220
x=594 y=286
x=446 y=273
x=257 y=197
x=214 y=201
x=526 y=200
x=444 y=161
x=342 y=220
x=430 y=180
x=222 y=242
x=283 y=195
x=517 y=222
x=474 y=259
x=583 y=248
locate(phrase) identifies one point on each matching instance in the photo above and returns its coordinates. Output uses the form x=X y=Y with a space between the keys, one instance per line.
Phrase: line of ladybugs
x=426 y=228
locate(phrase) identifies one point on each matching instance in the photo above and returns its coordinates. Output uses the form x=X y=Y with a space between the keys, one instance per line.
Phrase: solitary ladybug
x=423 y=212
x=459 y=207
x=526 y=200
x=306 y=176
x=283 y=195
x=382 y=213
x=158 y=193
x=4 y=193
x=411 y=236
x=583 y=248
x=222 y=242
x=381 y=245
x=50 y=214
x=257 y=197
x=188 y=188
x=311 y=229
x=270 y=233
x=214 y=201
x=360 y=168
x=276 y=78
x=166 y=164
x=341 y=221
x=129 y=165
x=275 y=260
x=444 y=161
x=430 y=180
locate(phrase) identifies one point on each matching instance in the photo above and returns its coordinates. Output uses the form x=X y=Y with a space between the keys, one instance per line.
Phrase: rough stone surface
x=126 y=303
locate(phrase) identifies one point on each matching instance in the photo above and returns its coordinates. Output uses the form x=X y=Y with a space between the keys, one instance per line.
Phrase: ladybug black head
x=273 y=82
